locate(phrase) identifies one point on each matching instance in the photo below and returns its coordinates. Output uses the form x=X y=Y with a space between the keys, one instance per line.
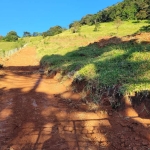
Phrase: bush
x=11 y=36
x=53 y=31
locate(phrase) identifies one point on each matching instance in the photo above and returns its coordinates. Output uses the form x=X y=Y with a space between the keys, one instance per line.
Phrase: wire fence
x=5 y=54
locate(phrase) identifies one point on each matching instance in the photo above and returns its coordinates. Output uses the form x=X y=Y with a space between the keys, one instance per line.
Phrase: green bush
x=11 y=36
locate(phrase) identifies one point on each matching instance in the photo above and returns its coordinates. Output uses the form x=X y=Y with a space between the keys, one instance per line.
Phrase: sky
x=40 y=15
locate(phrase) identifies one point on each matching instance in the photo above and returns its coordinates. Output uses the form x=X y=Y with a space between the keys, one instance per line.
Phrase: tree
x=45 y=34
x=128 y=9
x=75 y=27
x=1 y=37
x=87 y=20
x=26 y=34
x=141 y=15
x=53 y=31
x=36 y=34
x=131 y=11
x=11 y=36
x=118 y=22
x=97 y=26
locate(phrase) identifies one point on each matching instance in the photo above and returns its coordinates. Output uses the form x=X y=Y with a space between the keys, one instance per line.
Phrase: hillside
x=82 y=88
x=88 y=54
x=94 y=56
x=125 y=10
x=87 y=90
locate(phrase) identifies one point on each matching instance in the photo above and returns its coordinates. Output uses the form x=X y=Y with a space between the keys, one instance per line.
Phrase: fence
x=5 y=54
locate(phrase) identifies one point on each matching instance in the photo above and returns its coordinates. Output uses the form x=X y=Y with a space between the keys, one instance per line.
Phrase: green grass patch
x=9 y=48
x=109 y=28
x=127 y=64
x=5 y=46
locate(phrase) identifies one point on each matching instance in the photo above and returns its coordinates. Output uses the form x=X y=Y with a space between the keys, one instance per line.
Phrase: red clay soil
x=42 y=113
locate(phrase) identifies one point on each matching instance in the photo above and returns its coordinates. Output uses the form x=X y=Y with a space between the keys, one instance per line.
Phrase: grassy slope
x=128 y=64
x=126 y=28
x=5 y=46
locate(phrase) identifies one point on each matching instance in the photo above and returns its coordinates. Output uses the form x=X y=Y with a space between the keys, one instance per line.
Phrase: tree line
x=12 y=35
x=126 y=10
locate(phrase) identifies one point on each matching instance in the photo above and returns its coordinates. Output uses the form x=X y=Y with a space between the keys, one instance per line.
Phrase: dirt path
x=41 y=113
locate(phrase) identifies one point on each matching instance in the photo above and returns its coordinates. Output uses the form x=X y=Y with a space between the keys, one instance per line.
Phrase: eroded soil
x=42 y=113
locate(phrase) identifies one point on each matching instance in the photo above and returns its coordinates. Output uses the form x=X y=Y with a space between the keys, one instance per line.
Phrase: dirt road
x=42 y=113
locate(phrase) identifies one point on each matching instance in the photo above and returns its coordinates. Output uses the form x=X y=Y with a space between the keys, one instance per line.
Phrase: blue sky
x=40 y=15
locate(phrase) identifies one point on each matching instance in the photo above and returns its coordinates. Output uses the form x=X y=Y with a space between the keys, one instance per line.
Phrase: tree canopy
x=11 y=36
x=53 y=31
x=36 y=34
x=26 y=34
x=126 y=10
x=75 y=27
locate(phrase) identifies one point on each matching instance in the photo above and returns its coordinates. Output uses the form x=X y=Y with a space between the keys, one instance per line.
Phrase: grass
x=5 y=46
x=125 y=64
x=86 y=35
x=126 y=28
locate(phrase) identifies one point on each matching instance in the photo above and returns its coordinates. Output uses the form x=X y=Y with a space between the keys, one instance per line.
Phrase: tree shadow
x=147 y=21
x=55 y=141
x=136 y=21
x=144 y=29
